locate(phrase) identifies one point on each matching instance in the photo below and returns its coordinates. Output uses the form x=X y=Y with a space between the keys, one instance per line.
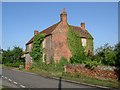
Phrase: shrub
x=15 y=64
x=63 y=61
x=12 y=57
x=76 y=59
x=91 y=64
x=106 y=55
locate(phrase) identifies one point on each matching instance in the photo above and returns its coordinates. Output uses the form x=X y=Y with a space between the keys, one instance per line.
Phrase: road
x=18 y=79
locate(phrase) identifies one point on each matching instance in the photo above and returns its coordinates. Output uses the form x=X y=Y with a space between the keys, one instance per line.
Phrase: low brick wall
x=101 y=72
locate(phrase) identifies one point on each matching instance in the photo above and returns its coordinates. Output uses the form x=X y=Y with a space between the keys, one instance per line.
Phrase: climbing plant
x=75 y=45
x=37 y=49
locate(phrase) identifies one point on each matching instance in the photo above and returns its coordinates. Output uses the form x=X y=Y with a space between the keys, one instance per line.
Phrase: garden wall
x=101 y=72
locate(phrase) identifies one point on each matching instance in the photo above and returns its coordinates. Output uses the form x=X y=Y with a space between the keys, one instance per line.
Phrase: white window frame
x=84 y=41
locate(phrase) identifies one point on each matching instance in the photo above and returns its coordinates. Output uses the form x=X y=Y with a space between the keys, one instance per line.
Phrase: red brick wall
x=59 y=42
x=48 y=49
x=97 y=72
x=28 y=61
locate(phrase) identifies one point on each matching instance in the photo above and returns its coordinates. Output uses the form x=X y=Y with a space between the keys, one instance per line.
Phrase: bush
x=12 y=55
x=63 y=61
x=106 y=55
x=15 y=64
x=77 y=59
x=52 y=67
x=91 y=64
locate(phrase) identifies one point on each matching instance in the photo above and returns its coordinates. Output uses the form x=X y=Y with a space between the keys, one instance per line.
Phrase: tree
x=7 y=56
x=12 y=56
x=17 y=52
x=106 y=55
x=117 y=50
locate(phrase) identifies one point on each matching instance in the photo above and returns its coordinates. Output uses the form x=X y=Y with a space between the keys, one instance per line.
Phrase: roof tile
x=46 y=31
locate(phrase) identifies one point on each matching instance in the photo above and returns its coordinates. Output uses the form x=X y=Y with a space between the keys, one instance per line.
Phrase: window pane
x=83 y=42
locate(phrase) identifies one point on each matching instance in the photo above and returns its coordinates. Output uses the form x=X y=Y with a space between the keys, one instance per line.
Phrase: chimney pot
x=63 y=15
x=36 y=32
x=83 y=25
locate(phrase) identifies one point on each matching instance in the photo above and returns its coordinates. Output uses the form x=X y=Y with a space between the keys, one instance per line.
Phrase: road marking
x=22 y=86
x=15 y=82
x=10 y=80
x=5 y=77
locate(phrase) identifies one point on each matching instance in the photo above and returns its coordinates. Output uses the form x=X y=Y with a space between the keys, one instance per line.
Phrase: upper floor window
x=83 y=42
x=44 y=42
x=29 y=47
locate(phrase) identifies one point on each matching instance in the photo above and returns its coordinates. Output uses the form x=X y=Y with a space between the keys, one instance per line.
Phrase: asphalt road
x=19 y=79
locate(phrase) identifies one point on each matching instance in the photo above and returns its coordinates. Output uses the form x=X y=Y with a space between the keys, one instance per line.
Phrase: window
x=27 y=48
x=83 y=42
x=44 y=42
x=30 y=47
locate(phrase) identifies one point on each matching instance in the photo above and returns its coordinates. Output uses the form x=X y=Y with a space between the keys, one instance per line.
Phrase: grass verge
x=58 y=71
x=75 y=77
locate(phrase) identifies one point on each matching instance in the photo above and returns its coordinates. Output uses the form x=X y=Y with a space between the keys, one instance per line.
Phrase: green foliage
x=106 y=55
x=15 y=64
x=0 y=55
x=37 y=49
x=117 y=50
x=90 y=45
x=12 y=56
x=75 y=45
x=91 y=64
x=7 y=56
x=17 y=52
x=52 y=67
x=89 y=35
x=63 y=61
x=21 y=67
x=52 y=60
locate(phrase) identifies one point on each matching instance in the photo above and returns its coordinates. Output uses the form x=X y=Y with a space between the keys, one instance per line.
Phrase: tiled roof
x=49 y=29
x=83 y=33
x=46 y=31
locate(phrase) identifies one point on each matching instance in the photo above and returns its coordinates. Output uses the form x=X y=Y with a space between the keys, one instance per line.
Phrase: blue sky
x=21 y=19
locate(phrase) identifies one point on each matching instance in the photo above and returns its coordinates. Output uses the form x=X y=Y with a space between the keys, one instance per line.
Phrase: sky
x=19 y=20
x=60 y=0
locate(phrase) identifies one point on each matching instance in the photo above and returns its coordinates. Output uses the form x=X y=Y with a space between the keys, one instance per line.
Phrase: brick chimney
x=36 y=32
x=83 y=25
x=63 y=15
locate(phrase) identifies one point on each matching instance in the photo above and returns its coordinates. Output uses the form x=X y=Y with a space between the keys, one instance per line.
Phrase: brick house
x=55 y=42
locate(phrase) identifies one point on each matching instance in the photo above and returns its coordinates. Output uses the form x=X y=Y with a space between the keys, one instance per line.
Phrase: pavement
x=19 y=79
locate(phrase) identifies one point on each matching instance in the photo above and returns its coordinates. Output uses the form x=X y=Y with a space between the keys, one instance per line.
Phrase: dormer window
x=83 y=41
